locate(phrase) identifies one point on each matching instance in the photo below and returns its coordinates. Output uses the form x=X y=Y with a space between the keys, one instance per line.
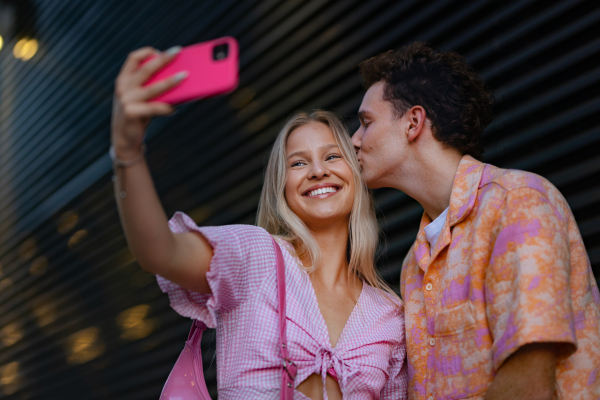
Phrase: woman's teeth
x=322 y=191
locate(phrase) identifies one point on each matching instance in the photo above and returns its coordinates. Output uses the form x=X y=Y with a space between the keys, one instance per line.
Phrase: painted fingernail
x=173 y=50
x=180 y=75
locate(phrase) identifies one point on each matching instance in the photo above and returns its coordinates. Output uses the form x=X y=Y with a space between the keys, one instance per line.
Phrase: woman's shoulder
x=181 y=222
x=382 y=300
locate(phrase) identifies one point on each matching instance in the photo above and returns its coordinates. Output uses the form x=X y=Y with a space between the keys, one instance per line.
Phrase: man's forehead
x=372 y=99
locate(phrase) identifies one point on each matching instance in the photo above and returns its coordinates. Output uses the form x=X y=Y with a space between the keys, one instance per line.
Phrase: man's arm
x=529 y=373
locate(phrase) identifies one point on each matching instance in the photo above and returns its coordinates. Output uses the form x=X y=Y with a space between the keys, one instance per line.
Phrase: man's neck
x=430 y=180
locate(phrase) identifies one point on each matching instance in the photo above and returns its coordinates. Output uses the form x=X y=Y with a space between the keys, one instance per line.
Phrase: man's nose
x=357 y=140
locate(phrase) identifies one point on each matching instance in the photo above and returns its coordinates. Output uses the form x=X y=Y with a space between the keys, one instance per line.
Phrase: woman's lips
x=323 y=185
x=323 y=192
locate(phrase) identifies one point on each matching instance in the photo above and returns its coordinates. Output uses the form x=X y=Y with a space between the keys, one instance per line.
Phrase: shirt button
x=432 y=341
x=429 y=286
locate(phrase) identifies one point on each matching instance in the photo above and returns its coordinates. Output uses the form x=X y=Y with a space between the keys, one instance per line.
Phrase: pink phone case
x=207 y=76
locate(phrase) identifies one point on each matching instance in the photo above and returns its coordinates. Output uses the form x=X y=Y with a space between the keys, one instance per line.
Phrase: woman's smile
x=322 y=190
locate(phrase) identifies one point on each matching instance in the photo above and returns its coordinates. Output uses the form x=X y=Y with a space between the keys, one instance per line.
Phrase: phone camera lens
x=220 y=51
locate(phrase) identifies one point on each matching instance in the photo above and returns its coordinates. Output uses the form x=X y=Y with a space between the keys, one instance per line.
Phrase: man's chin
x=371 y=182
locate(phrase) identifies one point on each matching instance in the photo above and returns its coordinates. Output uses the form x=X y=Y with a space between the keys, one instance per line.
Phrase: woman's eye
x=297 y=163
x=329 y=157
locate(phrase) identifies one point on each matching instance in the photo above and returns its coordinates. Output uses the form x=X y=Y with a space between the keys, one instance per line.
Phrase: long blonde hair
x=276 y=217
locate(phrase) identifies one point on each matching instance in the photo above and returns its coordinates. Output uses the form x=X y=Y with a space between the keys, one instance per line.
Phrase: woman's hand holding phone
x=148 y=85
x=132 y=105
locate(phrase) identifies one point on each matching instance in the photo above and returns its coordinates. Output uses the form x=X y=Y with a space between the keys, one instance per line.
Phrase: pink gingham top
x=368 y=360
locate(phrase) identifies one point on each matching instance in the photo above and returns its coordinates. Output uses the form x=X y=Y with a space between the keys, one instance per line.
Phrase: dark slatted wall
x=78 y=318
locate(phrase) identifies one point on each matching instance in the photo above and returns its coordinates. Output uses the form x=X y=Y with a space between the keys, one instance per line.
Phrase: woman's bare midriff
x=312 y=387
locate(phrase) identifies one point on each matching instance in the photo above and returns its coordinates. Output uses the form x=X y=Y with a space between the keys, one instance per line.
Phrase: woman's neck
x=333 y=243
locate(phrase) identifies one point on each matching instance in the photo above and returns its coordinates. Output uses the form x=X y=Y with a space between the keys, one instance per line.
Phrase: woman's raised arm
x=181 y=258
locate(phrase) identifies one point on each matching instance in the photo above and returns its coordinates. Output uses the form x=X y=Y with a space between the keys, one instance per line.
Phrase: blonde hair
x=276 y=217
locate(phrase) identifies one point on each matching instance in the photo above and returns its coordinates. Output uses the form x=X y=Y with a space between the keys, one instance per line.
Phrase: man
x=500 y=299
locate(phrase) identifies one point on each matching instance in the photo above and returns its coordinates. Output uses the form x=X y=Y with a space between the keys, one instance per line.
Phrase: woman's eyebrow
x=301 y=152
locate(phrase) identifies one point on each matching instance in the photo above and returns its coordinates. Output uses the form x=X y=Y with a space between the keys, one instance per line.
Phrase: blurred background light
x=25 y=48
x=45 y=314
x=9 y=377
x=77 y=238
x=134 y=323
x=38 y=266
x=84 y=346
x=27 y=249
x=5 y=283
x=67 y=221
x=11 y=334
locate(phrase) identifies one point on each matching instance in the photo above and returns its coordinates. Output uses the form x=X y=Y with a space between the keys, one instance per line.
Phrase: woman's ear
x=416 y=117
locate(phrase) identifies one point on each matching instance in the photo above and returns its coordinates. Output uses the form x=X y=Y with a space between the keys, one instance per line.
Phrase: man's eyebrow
x=300 y=152
x=361 y=114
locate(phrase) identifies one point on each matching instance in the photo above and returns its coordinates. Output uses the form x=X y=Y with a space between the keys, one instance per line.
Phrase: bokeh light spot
x=38 y=266
x=5 y=283
x=67 y=221
x=27 y=249
x=45 y=314
x=25 y=48
x=9 y=377
x=77 y=238
x=84 y=346
x=134 y=323
x=11 y=334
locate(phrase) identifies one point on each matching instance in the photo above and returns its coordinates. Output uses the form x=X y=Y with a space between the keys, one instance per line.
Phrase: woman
x=345 y=327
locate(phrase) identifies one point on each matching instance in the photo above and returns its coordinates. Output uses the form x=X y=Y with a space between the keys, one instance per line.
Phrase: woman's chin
x=326 y=220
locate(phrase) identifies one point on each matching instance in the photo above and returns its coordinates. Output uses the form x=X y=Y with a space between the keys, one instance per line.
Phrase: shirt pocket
x=462 y=365
x=455 y=320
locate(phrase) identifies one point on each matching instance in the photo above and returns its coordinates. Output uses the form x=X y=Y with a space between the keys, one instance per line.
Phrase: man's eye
x=366 y=124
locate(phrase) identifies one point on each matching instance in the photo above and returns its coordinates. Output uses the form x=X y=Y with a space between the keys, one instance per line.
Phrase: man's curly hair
x=454 y=96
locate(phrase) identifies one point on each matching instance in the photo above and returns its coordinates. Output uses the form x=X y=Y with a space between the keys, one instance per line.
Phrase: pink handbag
x=186 y=380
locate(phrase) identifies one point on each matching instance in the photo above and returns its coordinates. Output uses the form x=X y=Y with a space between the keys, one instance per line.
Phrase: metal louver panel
x=78 y=318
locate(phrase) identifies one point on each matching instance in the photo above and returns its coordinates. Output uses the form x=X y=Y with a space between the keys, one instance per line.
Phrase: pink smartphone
x=213 y=69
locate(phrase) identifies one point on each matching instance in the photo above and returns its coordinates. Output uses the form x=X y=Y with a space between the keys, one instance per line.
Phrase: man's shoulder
x=510 y=180
x=514 y=185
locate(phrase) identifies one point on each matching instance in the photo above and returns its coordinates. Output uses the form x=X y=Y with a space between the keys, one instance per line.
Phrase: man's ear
x=416 y=117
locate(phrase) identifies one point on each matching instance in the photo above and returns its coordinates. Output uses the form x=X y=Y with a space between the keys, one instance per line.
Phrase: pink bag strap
x=289 y=368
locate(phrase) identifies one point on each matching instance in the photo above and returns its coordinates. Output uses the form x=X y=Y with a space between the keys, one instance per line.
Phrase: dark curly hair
x=454 y=96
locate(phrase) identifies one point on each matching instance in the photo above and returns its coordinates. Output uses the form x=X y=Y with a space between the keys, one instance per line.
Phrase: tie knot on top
x=328 y=361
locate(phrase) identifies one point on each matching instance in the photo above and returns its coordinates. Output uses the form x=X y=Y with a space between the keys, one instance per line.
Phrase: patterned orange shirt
x=509 y=269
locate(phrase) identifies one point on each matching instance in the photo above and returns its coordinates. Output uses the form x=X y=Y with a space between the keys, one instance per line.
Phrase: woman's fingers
x=149 y=92
x=135 y=99
x=146 y=110
x=135 y=58
x=149 y=68
x=160 y=87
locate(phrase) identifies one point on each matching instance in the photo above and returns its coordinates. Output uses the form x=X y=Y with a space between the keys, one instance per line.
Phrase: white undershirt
x=433 y=230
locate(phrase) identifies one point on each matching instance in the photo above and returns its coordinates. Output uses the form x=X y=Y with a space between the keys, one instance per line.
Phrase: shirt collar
x=462 y=200
x=464 y=189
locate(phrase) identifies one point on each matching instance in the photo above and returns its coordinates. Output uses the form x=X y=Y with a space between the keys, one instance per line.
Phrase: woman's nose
x=318 y=170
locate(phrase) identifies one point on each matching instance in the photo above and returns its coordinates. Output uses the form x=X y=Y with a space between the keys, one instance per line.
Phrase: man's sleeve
x=528 y=296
